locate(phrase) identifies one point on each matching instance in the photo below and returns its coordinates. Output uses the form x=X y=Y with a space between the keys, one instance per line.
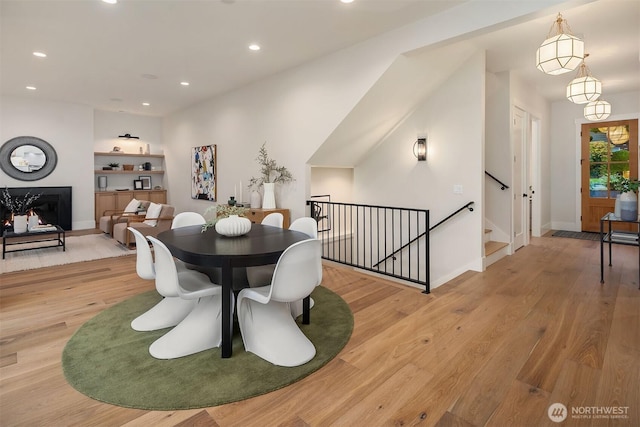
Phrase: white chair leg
x=200 y=330
x=296 y=307
x=269 y=331
x=167 y=313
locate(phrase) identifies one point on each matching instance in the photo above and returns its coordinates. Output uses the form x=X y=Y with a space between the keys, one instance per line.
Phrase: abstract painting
x=203 y=173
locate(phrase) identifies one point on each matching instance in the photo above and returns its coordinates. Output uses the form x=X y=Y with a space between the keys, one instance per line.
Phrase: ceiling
x=115 y=57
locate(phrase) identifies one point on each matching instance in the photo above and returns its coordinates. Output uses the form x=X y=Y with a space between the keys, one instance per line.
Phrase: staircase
x=493 y=251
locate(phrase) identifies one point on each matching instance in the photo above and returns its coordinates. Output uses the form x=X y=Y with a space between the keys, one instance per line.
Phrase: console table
x=33 y=237
x=618 y=238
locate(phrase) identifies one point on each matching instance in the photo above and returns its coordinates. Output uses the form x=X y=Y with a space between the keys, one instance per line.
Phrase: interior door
x=609 y=151
x=520 y=193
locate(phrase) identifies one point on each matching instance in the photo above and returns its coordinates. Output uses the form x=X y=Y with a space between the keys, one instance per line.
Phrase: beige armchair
x=143 y=225
x=111 y=217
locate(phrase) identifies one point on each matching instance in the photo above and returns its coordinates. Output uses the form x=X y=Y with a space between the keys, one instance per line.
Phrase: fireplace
x=53 y=206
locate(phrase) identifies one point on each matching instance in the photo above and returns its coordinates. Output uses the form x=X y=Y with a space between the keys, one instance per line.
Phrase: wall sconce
x=128 y=136
x=420 y=149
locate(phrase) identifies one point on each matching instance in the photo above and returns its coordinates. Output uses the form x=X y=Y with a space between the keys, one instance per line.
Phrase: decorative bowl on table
x=233 y=226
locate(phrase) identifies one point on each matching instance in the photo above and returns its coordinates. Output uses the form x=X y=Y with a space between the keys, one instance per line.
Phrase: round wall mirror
x=27 y=158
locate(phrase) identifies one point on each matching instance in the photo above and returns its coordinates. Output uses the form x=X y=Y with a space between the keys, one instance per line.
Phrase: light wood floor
x=493 y=348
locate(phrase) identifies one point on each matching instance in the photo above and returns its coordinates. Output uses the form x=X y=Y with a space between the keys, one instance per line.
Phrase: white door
x=519 y=173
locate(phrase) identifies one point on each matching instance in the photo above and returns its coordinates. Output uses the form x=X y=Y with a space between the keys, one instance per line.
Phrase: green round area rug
x=110 y=362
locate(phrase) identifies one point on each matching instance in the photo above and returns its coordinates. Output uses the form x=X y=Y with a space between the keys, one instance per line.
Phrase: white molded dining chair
x=266 y=325
x=170 y=310
x=308 y=226
x=202 y=328
x=184 y=219
x=261 y=275
x=275 y=219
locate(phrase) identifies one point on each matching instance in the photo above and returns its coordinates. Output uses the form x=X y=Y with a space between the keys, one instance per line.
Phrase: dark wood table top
x=262 y=245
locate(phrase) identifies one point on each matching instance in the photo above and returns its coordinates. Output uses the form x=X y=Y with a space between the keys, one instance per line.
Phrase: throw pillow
x=132 y=207
x=153 y=211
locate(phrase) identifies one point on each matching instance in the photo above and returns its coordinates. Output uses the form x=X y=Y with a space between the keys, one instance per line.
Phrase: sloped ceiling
x=401 y=89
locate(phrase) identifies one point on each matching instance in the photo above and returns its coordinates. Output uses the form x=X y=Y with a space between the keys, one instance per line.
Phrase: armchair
x=151 y=225
x=112 y=216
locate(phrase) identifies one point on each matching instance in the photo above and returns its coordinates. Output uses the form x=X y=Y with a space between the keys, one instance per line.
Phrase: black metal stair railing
x=386 y=240
x=503 y=186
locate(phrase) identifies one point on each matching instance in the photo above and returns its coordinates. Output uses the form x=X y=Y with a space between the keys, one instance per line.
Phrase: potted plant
x=19 y=207
x=626 y=207
x=270 y=174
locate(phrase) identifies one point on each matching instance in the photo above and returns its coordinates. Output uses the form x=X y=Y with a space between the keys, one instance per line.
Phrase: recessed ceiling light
x=146 y=104
x=184 y=83
x=110 y=1
x=346 y=1
x=254 y=47
x=31 y=87
x=40 y=54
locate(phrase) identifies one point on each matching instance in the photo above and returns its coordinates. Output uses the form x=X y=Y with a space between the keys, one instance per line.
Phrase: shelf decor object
x=233 y=226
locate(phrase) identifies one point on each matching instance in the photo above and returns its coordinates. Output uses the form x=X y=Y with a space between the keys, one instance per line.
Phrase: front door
x=609 y=152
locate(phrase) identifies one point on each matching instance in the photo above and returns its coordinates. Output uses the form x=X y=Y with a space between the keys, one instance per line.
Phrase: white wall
x=565 y=158
x=453 y=120
x=69 y=129
x=337 y=182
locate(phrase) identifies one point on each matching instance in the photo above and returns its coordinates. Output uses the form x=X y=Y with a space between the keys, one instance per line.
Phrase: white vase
x=233 y=225
x=269 y=197
x=616 y=209
x=19 y=223
x=628 y=206
x=256 y=200
x=33 y=221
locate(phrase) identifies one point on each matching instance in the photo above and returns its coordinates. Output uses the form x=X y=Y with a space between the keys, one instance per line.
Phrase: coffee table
x=10 y=238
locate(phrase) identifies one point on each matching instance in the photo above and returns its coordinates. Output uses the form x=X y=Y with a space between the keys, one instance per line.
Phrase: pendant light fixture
x=561 y=52
x=584 y=88
x=597 y=110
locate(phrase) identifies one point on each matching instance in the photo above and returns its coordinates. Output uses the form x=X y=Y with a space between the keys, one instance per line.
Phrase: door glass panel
x=608 y=159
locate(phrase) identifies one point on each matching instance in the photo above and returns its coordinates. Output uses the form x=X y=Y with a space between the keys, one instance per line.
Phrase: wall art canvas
x=203 y=173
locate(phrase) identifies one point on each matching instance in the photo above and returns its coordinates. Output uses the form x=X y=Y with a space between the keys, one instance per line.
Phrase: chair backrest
x=166 y=272
x=298 y=271
x=144 y=259
x=306 y=225
x=184 y=219
x=274 y=219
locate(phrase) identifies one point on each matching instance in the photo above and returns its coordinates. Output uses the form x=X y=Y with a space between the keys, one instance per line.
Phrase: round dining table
x=262 y=245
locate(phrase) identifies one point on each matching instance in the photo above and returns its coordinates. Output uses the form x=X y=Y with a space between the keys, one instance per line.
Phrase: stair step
x=492 y=246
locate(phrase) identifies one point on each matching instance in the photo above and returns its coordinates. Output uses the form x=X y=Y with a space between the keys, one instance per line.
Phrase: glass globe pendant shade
x=597 y=110
x=561 y=52
x=584 y=88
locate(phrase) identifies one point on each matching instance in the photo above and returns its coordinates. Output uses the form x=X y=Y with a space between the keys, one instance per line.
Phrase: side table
x=618 y=238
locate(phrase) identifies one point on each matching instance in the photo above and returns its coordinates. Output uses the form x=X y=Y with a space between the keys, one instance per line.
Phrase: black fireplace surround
x=53 y=206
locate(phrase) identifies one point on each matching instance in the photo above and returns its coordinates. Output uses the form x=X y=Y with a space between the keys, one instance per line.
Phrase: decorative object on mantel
x=270 y=174
x=222 y=211
x=203 y=173
x=127 y=167
x=116 y=149
x=114 y=166
x=19 y=208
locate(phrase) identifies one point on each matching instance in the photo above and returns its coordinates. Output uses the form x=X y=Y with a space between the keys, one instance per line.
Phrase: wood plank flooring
x=494 y=348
